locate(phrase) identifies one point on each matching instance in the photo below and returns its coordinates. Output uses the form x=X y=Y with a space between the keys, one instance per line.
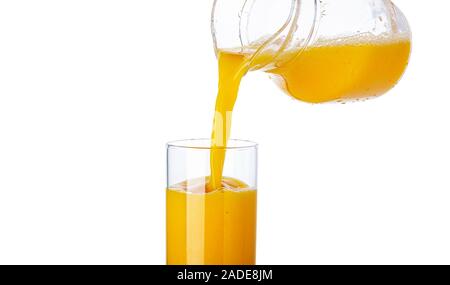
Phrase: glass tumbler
x=204 y=226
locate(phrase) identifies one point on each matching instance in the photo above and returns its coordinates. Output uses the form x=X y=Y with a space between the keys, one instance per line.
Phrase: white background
x=90 y=92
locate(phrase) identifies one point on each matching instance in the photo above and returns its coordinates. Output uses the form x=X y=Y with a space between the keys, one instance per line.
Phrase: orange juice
x=212 y=228
x=346 y=70
x=232 y=67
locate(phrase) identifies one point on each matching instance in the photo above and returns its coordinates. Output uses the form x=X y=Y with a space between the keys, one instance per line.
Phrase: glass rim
x=205 y=144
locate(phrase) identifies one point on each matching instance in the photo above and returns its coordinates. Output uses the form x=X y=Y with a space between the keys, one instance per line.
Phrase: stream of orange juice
x=232 y=68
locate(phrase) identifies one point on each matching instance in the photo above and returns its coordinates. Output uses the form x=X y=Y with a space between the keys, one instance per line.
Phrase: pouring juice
x=216 y=224
x=338 y=70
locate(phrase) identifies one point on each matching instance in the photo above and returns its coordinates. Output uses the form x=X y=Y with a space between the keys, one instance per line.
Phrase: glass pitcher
x=318 y=50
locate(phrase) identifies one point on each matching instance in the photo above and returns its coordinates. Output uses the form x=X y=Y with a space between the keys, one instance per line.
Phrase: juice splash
x=213 y=228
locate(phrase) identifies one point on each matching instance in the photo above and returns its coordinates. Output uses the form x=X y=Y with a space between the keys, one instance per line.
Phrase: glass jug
x=318 y=50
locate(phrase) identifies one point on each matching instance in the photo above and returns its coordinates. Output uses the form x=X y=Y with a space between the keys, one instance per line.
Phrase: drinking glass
x=207 y=226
